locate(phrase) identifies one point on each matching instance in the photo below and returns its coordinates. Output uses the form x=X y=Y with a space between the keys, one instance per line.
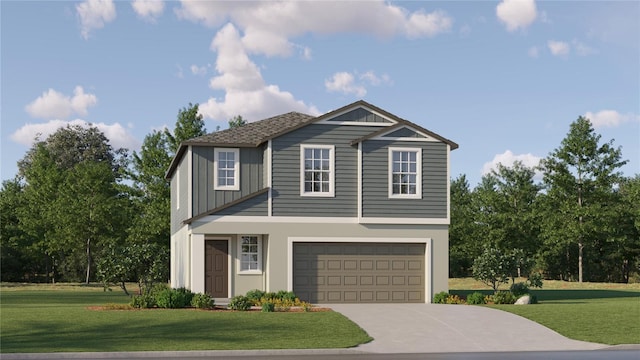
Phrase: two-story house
x=349 y=206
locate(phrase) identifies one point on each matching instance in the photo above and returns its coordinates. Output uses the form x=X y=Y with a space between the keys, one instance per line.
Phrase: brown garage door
x=359 y=272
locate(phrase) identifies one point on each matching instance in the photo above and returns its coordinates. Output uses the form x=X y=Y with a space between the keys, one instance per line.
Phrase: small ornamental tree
x=145 y=263
x=494 y=267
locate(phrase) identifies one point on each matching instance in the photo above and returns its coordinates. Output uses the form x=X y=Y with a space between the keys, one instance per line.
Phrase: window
x=226 y=164
x=250 y=253
x=405 y=173
x=317 y=170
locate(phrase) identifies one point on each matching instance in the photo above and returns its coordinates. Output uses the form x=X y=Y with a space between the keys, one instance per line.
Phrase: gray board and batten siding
x=206 y=198
x=286 y=171
x=375 y=180
x=179 y=195
x=359 y=115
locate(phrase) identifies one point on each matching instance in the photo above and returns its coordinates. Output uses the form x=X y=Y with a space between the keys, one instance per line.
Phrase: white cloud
x=609 y=118
x=508 y=158
x=198 y=70
x=246 y=92
x=559 y=48
x=582 y=49
x=517 y=14
x=148 y=10
x=94 y=14
x=117 y=134
x=347 y=83
x=344 y=82
x=52 y=104
x=421 y=24
x=179 y=73
x=268 y=26
x=533 y=52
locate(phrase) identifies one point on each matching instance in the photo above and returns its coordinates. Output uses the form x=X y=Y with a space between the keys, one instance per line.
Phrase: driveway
x=436 y=328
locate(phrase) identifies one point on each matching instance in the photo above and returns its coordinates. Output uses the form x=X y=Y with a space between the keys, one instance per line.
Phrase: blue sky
x=502 y=79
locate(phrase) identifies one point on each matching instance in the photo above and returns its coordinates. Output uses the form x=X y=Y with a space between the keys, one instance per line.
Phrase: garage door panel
x=359 y=272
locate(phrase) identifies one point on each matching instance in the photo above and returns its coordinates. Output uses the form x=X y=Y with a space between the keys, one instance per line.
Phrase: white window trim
x=249 y=272
x=332 y=172
x=418 y=194
x=236 y=169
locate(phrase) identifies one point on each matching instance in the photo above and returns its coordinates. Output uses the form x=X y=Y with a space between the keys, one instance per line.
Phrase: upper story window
x=317 y=174
x=405 y=173
x=250 y=254
x=226 y=165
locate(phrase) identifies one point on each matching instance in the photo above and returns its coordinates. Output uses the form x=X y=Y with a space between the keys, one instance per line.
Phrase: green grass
x=54 y=320
x=601 y=313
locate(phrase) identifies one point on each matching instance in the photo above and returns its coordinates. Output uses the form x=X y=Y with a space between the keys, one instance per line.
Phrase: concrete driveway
x=436 y=328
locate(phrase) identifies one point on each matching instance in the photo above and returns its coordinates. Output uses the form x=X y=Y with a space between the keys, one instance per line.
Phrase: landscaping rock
x=523 y=300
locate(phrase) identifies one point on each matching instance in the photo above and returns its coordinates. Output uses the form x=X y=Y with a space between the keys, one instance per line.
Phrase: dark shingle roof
x=250 y=135
x=255 y=133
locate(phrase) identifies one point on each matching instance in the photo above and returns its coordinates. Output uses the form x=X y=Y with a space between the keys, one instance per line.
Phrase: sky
x=503 y=79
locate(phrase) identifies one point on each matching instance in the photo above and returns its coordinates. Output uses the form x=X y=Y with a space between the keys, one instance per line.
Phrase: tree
x=189 y=124
x=579 y=179
x=18 y=257
x=463 y=231
x=70 y=186
x=94 y=218
x=237 y=121
x=144 y=262
x=152 y=193
x=495 y=267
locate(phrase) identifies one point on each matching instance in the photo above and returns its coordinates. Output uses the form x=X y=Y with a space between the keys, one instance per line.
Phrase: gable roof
x=252 y=134
x=256 y=133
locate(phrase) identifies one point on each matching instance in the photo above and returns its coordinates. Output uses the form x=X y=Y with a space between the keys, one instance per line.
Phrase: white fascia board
x=448 y=182
x=359 y=180
x=357 y=123
x=426 y=137
x=269 y=178
x=189 y=182
x=321 y=220
x=405 y=221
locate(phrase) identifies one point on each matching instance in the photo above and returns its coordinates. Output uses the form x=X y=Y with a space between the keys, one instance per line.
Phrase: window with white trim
x=405 y=173
x=317 y=175
x=226 y=165
x=250 y=254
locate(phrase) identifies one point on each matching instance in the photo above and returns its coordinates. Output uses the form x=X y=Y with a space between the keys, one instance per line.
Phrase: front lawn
x=59 y=321
x=601 y=313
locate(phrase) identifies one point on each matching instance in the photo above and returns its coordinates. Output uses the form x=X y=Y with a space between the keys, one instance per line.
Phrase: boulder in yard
x=523 y=300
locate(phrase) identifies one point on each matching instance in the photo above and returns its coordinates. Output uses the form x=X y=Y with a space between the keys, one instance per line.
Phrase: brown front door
x=216 y=268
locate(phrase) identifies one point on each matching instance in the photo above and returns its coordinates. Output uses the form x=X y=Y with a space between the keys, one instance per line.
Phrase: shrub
x=202 y=301
x=518 y=289
x=286 y=295
x=535 y=280
x=503 y=297
x=174 y=298
x=476 y=298
x=268 y=307
x=534 y=299
x=240 y=303
x=254 y=296
x=441 y=297
x=306 y=306
x=143 y=301
x=454 y=299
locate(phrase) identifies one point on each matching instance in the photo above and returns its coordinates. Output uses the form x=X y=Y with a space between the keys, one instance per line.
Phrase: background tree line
x=80 y=210
x=581 y=222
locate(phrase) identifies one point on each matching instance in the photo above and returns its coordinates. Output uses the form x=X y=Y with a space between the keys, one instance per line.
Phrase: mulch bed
x=215 y=309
